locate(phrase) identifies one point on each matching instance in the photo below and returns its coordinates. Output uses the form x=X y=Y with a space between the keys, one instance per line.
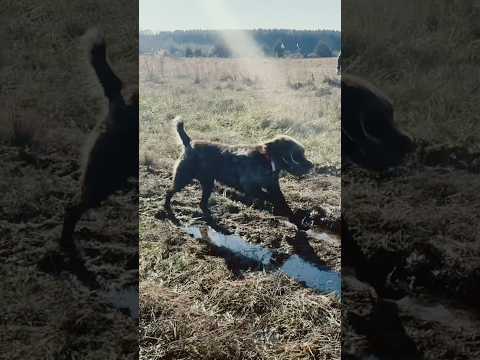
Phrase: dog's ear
x=289 y=154
x=276 y=147
x=282 y=146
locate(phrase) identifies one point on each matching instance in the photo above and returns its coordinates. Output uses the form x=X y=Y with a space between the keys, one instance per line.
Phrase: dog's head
x=370 y=136
x=289 y=155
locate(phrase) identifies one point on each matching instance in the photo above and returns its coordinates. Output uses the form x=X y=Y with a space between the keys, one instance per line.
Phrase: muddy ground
x=255 y=306
x=417 y=227
x=49 y=313
x=203 y=301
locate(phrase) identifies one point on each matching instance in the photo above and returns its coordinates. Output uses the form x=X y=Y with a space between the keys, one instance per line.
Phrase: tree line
x=272 y=42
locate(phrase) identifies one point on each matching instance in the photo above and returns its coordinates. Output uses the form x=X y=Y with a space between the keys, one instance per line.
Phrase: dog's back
x=200 y=150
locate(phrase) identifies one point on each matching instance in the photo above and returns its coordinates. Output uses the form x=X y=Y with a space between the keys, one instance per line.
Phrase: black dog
x=113 y=154
x=371 y=140
x=252 y=170
x=369 y=135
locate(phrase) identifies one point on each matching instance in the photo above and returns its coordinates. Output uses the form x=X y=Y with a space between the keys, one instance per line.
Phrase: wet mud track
x=419 y=260
x=249 y=279
x=55 y=305
x=249 y=237
x=256 y=225
x=238 y=253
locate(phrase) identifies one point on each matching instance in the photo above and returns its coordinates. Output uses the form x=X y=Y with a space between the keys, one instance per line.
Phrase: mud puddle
x=125 y=300
x=444 y=314
x=311 y=275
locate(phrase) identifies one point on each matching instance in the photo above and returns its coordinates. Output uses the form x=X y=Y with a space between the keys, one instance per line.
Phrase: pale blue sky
x=158 y=15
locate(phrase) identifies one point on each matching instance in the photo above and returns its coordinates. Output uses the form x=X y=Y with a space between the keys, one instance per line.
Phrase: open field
x=199 y=300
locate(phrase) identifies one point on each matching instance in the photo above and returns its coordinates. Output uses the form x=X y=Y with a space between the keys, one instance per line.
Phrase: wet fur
x=247 y=169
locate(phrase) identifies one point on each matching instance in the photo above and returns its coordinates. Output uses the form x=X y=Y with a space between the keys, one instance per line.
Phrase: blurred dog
x=339 y=64
x=252 y=170
x=369 y=135
x=112 y=156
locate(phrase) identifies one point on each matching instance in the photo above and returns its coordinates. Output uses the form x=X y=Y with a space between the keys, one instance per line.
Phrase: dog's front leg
x=73 y=212
x=207 y=188
x=281 y=207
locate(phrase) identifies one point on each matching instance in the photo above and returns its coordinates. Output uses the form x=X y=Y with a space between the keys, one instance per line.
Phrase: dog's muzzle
x=298 y=168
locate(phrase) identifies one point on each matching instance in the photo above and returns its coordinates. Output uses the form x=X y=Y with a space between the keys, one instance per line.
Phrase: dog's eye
x=297 y=157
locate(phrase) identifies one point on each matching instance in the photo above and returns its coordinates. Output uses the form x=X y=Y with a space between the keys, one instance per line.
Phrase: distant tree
x=322 y=50
x=268 y=39
x=188 y=52
x=198 y=53
x=221 y=51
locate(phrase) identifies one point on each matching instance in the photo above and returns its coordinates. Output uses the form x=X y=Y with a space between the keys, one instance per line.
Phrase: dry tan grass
x=269 y=72
x=269 y=318
x=240 y=101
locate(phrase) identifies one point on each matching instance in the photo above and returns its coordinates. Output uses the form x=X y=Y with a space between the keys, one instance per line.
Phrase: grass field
x=193 y=302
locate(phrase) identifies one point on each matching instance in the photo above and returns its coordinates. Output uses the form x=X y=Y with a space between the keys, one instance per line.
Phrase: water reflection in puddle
x=435 y=312
x=124 y=299
x=313 y=276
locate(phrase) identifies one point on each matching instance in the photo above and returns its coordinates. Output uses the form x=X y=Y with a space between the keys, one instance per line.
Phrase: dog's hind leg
x=73 y=212
x=168 y=198
x=207 y=188
x=182 y=178
x=280 y=205
x=75 y=263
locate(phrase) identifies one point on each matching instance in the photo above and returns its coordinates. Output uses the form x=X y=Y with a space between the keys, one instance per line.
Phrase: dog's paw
x=53 y=262
x=302 y=219
x=161 y=214
x=208 y=218
x=57 y=262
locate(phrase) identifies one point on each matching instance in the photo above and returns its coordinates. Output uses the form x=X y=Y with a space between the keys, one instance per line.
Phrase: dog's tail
x=111 y=84
x=186 y=141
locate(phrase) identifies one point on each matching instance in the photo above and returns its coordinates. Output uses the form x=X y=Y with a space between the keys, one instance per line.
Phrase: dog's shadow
x=56 y=262
x=302 y=248
x=234 y=261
